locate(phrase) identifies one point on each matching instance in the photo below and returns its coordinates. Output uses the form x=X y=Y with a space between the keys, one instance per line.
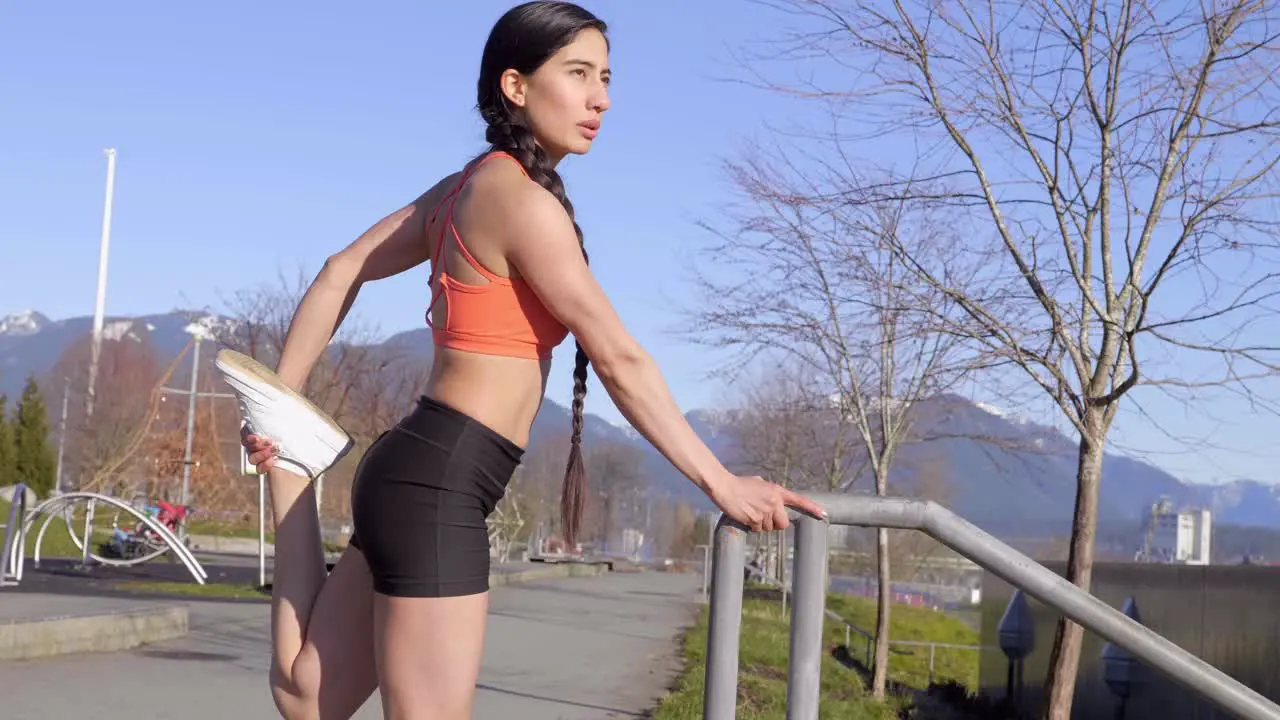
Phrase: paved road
x=64 y=576
x=573 y=648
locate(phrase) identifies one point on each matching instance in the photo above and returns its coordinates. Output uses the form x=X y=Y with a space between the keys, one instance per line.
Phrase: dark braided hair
x=523 y=39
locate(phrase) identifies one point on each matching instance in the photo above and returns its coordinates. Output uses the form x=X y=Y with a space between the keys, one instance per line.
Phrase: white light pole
x=100 y=306
x=198 y=333
x=62 y=435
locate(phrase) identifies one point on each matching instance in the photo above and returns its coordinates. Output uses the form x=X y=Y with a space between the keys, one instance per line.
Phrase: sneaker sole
x=247 y=370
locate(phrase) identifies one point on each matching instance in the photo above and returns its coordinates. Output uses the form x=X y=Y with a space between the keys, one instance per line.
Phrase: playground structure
x=150 y=539
x=1129 y=640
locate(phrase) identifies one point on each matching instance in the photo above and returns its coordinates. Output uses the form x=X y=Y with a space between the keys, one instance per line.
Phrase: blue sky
x=260 y=137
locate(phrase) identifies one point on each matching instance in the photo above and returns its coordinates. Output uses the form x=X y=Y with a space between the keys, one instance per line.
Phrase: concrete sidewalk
x=599 y=647
x=41 y=625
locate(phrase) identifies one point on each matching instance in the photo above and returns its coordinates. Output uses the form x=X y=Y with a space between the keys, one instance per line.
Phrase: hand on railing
x=759 y=505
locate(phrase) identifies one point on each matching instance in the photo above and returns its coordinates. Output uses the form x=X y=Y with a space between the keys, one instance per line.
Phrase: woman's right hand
x=759 y=504
x=261 y=451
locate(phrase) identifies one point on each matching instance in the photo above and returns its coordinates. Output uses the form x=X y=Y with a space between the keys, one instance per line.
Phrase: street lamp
x=198 y=333
x=100 y=306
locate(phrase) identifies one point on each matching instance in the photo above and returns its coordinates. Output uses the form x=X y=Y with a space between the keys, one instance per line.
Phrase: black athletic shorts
x=420 y=498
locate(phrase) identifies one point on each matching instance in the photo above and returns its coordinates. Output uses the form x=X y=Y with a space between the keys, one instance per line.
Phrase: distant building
x=1181 y=537
x=632 y=542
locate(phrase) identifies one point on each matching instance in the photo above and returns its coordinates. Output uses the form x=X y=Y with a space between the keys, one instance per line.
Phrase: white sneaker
x=310 y=442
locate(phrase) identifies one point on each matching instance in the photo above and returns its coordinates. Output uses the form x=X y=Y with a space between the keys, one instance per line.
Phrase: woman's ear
x=513 y=87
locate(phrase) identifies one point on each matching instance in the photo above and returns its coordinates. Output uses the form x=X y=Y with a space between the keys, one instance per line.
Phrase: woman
x=404 y=609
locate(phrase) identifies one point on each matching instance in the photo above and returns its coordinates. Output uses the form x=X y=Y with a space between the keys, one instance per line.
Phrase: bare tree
x=910 y=551
x=615 y=468
x=684 y=531
x=819 y=282
x=128 y=375
x=1121 y=155
x=365 y=385
x=787 y=429
x=542 y=472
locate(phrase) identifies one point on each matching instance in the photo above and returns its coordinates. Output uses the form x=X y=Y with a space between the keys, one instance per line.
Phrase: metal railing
x=12 y=554
x=809 y=597
x=21 y=522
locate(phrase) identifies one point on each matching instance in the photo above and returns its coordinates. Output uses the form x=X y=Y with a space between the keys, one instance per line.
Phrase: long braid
x=511 y=136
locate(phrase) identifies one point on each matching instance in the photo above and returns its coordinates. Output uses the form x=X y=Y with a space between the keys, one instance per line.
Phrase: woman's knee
x=293 y=705
x=296 y=690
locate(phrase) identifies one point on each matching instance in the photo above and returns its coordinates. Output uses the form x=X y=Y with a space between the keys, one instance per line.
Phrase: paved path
x=574 y=648
x=25 y=607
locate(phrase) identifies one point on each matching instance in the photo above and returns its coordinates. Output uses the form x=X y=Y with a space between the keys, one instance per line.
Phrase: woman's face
x=566 y=97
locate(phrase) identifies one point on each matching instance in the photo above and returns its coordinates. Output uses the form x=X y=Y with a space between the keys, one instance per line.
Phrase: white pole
x=100 y=306
x=191 y=422
x=262 y=530
x=62 y=436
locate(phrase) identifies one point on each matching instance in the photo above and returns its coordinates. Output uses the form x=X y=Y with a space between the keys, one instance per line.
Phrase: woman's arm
x=540 y=242
x=393 y=245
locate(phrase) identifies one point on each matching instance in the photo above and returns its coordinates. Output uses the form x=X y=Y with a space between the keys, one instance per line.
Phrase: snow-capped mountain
x=27 y=322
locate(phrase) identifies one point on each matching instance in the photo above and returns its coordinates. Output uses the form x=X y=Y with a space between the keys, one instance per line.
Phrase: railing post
x=724 y=626
x=808 y=605
x=14 y=545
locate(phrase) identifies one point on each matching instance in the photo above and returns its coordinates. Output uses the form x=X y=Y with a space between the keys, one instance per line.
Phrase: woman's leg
x=428 y=654
x=430 y=483
x=316 y=621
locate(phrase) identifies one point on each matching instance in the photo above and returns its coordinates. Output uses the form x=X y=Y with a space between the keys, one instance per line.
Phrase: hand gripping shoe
x=309 y=441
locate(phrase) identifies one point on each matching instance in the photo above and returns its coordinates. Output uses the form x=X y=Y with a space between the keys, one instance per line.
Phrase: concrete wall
x=1227 y=615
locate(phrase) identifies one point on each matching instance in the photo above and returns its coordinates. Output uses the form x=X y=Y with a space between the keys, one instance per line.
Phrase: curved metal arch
x=68 y=514
x=51 y=507
x=11 y=559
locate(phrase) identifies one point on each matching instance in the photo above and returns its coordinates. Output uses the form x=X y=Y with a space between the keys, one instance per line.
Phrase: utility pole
x=198 y=336
x=199 y=333
x=62 y=435
x=100 y=306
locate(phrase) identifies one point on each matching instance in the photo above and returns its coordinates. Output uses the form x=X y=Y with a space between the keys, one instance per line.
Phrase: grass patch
x=247 y=531
x=228 y=591
x=762 y=661
x=909 y=665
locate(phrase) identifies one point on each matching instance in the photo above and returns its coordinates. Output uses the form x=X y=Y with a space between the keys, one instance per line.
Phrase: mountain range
x=1011 y=476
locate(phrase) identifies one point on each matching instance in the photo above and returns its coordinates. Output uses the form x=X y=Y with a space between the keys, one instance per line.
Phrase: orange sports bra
x=502 y=317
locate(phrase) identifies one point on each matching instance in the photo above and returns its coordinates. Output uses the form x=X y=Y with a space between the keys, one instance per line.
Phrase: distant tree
x=702 y=528
x=615 y=468
x=684 y=536
x=7 y=450
x=362 y=383
x=35 y=462
x=103 y=450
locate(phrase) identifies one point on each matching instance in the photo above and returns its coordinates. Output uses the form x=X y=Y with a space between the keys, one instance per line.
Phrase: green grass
x=909 y=665
x=762 y=676
x=231 y=530
x=212 y=590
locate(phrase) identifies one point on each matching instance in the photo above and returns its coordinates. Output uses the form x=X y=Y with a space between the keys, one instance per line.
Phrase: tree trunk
x=1064 y=660
x=880 y=665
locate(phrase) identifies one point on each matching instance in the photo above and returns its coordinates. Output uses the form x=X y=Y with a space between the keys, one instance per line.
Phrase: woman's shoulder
x=499 y=184
x=501 y=202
